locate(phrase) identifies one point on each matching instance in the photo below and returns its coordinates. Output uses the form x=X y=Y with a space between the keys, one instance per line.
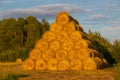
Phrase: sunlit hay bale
x=41 y=64
x=69 y=27
x=76 y=64
x=77 y=35
x=49 y=36
x=28 y=64
x=35 y=54
x=61 y=54
x=42 y=45
x=105 y=63
x=55 y=45
x=55 y=27
x=62 y=36
x=52 y=64
x=82 y=43
x=83 y=53
x=72 y=54
x=62 y=18
x=19 y=60
x=64 y=65
x=68 y=44
x=48 y=54
x=90 y=64
x=99 y=63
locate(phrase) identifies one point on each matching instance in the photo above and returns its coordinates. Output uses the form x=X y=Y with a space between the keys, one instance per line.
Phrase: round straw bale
x=35 y=54
x=61 y=54
x=79 y=27
x=18 y=60
x=64 y=65
x=95 y=53
x=76 y=64
x=83 y=53
x=68 y=44
x=55 y=45
x=49 y=36
x=62 y=18
x=52 y=64
x=48 y=54
x=41 y=64
x=105 y=63
x=82 y=43
x=69 y=27
x=55 y=27
x=72 y=54
x=62 y=36
x=41 y=44
x=99 y=63
x=76 y=35
x=90 y=64
x=28 y=64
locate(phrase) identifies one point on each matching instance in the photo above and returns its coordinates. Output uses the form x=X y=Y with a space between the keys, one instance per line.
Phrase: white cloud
x=98 y=17
x=45 y=11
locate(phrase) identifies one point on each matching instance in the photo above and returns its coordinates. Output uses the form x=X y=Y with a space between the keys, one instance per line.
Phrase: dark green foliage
x=115 y=50
x=18 y=36
x=110 y=51
x=14 y=77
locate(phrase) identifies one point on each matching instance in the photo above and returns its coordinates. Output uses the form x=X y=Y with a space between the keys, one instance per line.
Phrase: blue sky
x=96 y=15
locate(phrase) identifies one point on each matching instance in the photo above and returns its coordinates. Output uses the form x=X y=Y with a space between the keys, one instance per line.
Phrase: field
x=13 y=71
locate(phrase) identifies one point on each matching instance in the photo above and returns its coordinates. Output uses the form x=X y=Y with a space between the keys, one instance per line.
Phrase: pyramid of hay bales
x=64 y=47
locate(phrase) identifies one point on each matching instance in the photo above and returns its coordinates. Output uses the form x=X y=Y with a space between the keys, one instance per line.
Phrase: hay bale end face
x=64 y=47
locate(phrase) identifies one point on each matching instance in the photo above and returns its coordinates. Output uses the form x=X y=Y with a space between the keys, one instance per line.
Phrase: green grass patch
x=14 y=76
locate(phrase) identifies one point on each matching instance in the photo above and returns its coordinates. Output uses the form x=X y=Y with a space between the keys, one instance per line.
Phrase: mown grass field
x=13 y=71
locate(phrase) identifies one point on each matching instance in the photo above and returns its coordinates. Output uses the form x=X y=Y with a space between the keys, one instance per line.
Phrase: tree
x=103 y=46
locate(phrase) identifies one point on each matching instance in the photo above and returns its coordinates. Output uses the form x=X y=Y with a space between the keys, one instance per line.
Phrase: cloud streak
x=99 y=17
x=45 y=11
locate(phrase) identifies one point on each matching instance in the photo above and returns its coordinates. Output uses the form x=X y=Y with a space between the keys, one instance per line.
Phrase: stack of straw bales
x=64 y=47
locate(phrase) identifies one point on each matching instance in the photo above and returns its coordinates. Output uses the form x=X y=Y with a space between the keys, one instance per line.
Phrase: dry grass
x=15 y=69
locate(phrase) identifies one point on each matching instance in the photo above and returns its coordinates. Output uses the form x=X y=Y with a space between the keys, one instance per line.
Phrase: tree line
x=18 y=36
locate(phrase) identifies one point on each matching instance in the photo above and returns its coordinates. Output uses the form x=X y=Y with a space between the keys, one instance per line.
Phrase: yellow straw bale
x=76 y=35
x=76 y=64
x=52 y=64
x=49 y=36
x=42 y=45
x=90 y=64
x=61 y=54
x=68 y=44
x=62 y=18
x=19 y=60
x=69 y=27
x=28 y=64
x=41 y=64
x=35 y=54
x=55 y=45
x=64 y=65
x=48 y=54
x=99 y=62
x=62 y=36
x=72 y=54
x=79 y=27
x=83 y=53
x=82 y=44
x=55 y=27
x=105 y=63
x=95 y=53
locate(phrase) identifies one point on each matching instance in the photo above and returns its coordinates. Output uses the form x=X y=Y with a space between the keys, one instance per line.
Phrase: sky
x=96 y=15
